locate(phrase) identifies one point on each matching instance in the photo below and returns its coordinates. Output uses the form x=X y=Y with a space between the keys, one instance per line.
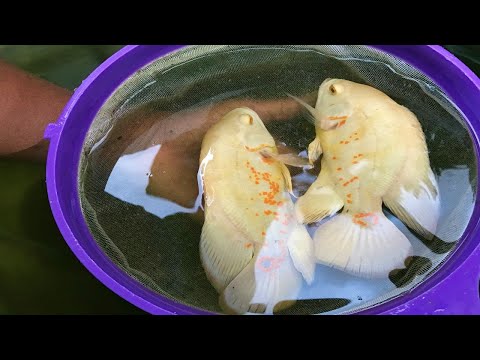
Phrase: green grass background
x=38 y=272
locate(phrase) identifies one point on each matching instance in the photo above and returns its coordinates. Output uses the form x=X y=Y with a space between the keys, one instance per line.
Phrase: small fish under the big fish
x=373 y=150
x=252 y=248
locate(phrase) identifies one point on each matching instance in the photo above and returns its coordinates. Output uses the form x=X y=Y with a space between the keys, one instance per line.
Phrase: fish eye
x=332 y=89
x=246 y=119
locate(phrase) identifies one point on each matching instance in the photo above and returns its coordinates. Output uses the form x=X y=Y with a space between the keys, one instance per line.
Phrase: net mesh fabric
x=162 y=252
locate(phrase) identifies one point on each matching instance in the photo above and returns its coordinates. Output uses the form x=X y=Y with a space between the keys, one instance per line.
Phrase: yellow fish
x=373 y=150
x=252 y=248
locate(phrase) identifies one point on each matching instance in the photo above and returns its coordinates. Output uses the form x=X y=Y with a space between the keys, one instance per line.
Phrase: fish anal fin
x=320 y=200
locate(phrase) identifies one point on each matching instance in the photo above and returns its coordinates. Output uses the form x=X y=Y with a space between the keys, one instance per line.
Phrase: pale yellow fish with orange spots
x=373 y=150
x=252 y=248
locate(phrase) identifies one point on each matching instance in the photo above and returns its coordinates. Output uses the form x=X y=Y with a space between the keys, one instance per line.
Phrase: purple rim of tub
x=453 y=289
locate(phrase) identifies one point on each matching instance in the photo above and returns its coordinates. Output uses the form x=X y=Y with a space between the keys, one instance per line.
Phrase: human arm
x=27 y=105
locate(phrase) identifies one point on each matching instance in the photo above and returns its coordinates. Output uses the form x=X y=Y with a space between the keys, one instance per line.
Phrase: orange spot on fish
x=256 y=214
x=339 y=169
x=351 y=180
x=334 y=158
x=337 y=117
x=347 y=142
x=349 y=195
x=341 y=142
x=349 y=201
x=360 y=222
x=372 y=216
x=360 y=155
x=340 y=179
x=267 y=212
x=249 y=245
x=279 y=203
x=257 y=148
x=256 y=182
x=342 y=123
x=354 y=162
x=263 y=233
x=357 y=139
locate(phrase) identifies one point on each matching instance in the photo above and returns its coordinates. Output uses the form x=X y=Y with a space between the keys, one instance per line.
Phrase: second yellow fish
x=373 y=150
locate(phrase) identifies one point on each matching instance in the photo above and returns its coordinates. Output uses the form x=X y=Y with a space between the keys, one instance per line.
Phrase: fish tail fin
x=319 y=201
x=363 y=244
x=309 y=110
x=418 y=208
x=267 y=284
x=300 y=247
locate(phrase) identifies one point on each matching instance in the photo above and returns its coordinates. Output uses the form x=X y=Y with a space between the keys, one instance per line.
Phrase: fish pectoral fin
x=224 y=253
x=314 y=150
x=368 y=246
x=300 y=246
x=418 y=208
x=309 y=110
x=268 y=284
x=287 y=177
x=319 y=201
x=288 y=159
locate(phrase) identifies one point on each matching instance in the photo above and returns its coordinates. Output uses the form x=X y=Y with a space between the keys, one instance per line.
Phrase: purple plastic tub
x=453 y=289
